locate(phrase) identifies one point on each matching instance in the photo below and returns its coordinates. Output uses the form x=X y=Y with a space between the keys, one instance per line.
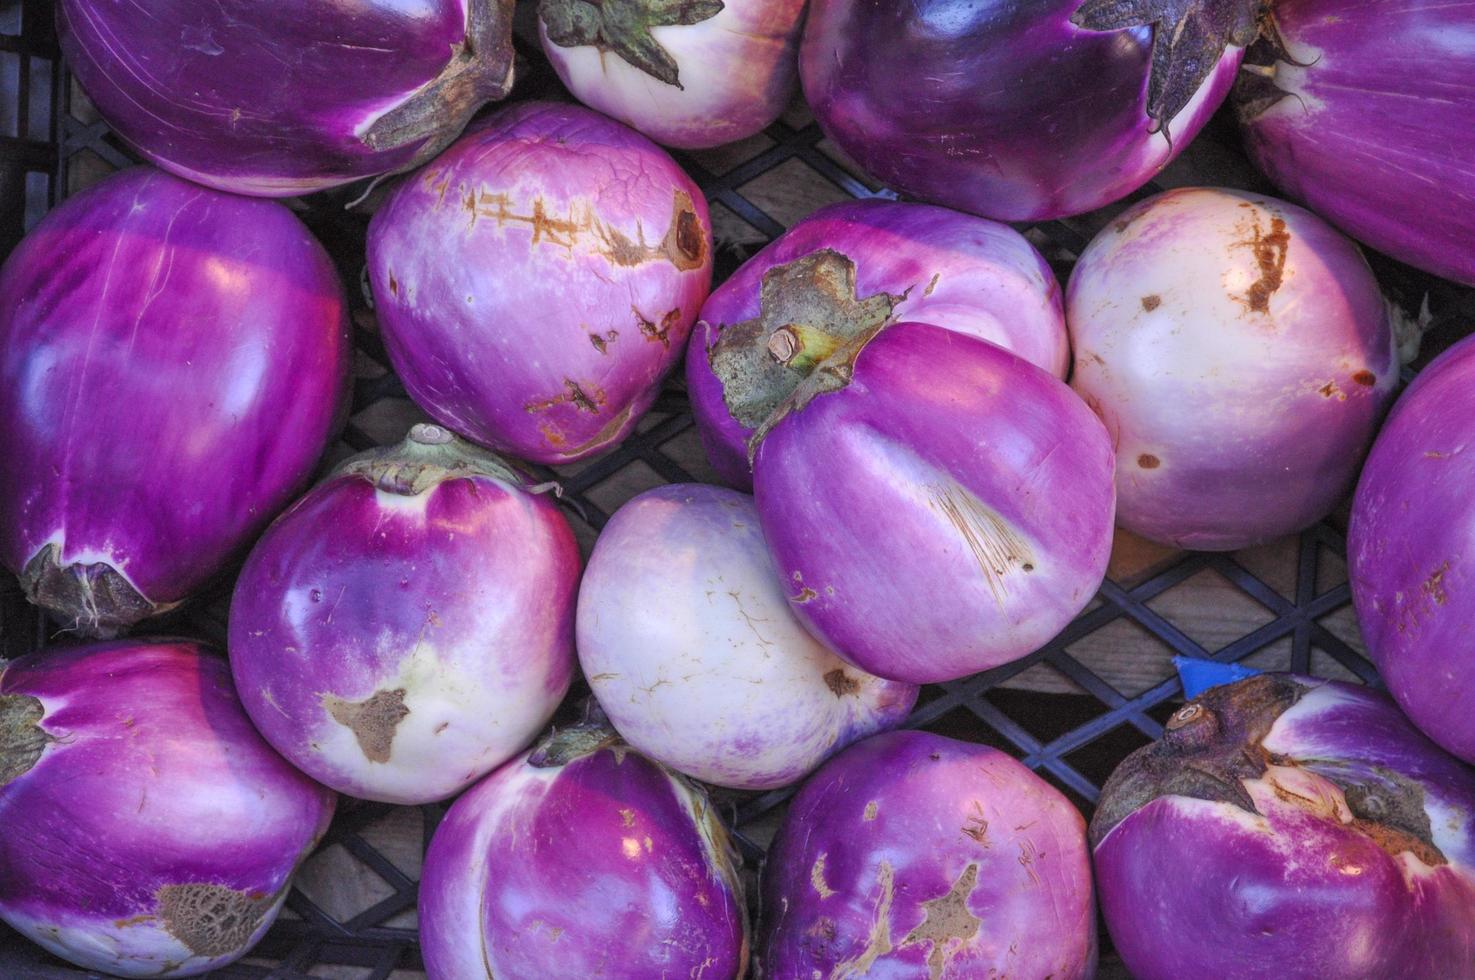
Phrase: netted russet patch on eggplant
x=149 y=830
x=1295 y=828
x=407 y=626
x=835 y=279
x=536 y=282
x=173 y=362
x=687 y=73
x=279 y=100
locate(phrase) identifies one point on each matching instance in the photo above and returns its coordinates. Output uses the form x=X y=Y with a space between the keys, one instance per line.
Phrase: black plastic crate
x=1070 y=711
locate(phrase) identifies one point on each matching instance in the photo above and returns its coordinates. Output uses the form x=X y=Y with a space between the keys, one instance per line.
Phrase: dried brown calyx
x=1188 y=39
x=479 y=71
x=810 y=328
x=22 y=739
x=623 y=27
x=430 y=455
x=1216 y=742
x=592 y=733
x=1257 y=87
x=94 y=600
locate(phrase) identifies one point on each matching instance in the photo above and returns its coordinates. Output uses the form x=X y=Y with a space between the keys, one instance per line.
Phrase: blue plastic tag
x=1200 y=675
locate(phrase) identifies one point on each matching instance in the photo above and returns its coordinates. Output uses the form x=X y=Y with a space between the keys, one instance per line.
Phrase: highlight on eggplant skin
x=149 y=830
x=914 y=855
x=1411 y=550
x=582 y=858
x=280 y=99
x=1363 y=112
x=688 y=642
x=407 y=626
x=1290 y=827
x=1241 y=355
x=1019 y=110
x=537 y=281
x=173 y=363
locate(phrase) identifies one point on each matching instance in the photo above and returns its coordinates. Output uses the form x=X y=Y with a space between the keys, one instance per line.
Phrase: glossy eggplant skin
x=150 y=831
x=1292 y=827
x=1411 y=550
x=946 y=511
x=292 y=96
x=173 y=363
x=1366 y=119
x=587 y=861
x=1004 y=108
x=914 y=855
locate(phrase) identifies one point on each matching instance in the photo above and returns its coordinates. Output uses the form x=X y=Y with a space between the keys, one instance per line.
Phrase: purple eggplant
x=277 y=99
x=408 y=625
x=537 y=281
x=1363 y=112
x=173 y=362
x=1289 y=827
x=694 y=654
x=582 y=858
x=914 y=855
x=1411 y=550
x=852 y=267
x=1019 y=110
x=692 y=74
x=934 y=504
x=1240 y=354
x=149 y=831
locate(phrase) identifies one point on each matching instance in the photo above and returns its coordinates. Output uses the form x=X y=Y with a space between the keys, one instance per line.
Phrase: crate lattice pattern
x=1066 y=711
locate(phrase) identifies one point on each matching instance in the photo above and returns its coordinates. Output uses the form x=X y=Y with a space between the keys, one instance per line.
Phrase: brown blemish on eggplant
x=1270 y=252
x=841 y=683
x=684 y=244
x=817 y=878
x=994 y=544
x=1433 y=586
x=977 y=826
x=373 y=721
x=806 y=594
x=1148 y=461
x=601 y=344
x=1365 y=378
x=931 y=284
x=393 y=285
x=872 y=808
x=22 y=740
x=946 y=924
x=573 y=394
x=1151 y=302
x=212 y=920
x=661 y=332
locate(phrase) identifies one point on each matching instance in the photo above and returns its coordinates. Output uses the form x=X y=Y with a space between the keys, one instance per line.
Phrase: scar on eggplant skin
x=373 y=721
x=1365 y=378
x=841 y=683
x=1270 y=256
x=573 y=394
x=1148 y=461
x=601 y=344
x=212 y=920
x=946 y=918
x=1150 y=303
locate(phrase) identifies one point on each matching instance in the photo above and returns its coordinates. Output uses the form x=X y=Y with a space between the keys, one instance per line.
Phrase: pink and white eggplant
x=1241 y=356
x=173 y=362
x=1411 y=550
x=914 y=855
x=408 y=625
x=934 y=505
x=149 y=830
x=1288 y=827
x=536 y=282
x=277 y=99
x=691 y=649
x=851 y=267
x=582 y=858
x=689 y=73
